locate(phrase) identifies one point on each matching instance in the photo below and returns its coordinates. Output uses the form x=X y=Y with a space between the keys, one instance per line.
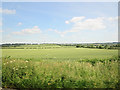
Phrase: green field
x=60 y=53
x=60 y=68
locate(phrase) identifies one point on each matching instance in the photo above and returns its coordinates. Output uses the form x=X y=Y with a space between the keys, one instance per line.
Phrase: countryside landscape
x=59 y=45
x=60 y=66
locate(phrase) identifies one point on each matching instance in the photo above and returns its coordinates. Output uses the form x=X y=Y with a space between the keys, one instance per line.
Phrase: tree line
x=99 y=46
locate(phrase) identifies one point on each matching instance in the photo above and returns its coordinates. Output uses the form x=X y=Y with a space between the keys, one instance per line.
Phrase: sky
x=60 y=0
x=59 y=22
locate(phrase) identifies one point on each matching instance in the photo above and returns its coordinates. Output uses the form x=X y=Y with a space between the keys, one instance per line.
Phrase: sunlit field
x=60 y=68
x=59 y=53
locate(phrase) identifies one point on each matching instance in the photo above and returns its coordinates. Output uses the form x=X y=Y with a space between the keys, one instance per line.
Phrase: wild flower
x=14 y=68
x=94 y=83
x=26 y=61
x=10 y=61
x=25 y=66
x=49 y=83
x=115 y=60
x=89 y=64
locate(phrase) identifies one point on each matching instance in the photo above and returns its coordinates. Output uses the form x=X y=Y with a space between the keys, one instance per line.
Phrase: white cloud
x=76 y=19
x=7 y=11
x=113 y=18
x=80 y=23
x=89 y=24
x=19 y=24
x=61 y=33
x=33 y=30
x=67 y=22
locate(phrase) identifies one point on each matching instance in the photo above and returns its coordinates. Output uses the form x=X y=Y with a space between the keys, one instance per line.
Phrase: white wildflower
x=26 y=61
x=10 y=61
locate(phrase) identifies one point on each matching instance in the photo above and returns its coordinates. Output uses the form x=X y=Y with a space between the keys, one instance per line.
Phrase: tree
x=97 y=46
x=106 y=47
x=91 y=46
x=100 y=47
x=78 y=46
x=111 y=47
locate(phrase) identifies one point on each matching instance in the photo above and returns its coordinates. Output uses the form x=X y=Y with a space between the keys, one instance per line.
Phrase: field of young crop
x=59 y=53
x=60 y=68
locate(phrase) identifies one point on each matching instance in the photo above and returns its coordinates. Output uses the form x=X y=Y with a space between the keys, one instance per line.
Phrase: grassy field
x=60 y=53
x=60 y=68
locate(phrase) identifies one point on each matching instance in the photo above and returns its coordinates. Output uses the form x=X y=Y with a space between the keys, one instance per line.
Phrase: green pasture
x=59 y=53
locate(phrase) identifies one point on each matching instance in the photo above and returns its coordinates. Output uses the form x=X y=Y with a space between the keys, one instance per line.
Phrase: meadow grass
x=60 y=53
x=33 y=69
x=59 y=74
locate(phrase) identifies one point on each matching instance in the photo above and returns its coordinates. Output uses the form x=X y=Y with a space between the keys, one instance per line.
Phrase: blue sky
x=50 y=22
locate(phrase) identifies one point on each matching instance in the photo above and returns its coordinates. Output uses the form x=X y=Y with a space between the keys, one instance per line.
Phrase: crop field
x=59 y=53
x=60 y=68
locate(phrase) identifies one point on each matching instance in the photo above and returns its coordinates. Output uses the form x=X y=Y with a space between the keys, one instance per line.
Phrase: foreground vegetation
x=60 y=74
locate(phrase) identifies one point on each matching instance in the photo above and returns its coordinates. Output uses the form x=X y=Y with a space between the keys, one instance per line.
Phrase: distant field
x=59 y=53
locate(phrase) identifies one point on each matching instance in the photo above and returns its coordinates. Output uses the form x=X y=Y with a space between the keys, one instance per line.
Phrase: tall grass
x=92 y=73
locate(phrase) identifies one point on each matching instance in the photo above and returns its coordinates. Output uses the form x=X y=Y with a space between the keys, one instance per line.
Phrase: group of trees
x=43 y=46
x=99 y=46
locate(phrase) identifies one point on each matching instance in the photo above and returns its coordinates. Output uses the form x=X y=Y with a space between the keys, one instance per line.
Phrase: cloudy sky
x=60 y=22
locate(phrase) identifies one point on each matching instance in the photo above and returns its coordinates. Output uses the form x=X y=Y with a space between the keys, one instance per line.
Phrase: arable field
x=60 y=68
x=59 y=53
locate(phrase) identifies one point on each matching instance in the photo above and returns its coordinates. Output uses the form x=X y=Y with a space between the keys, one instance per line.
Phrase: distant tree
x=83 y=46
x=97 y=46
x=111 y=47
x=100 y=47
x=106 y=47
x=116 y=46
x=78 y=46
x=88 y=46
x=91 y=46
